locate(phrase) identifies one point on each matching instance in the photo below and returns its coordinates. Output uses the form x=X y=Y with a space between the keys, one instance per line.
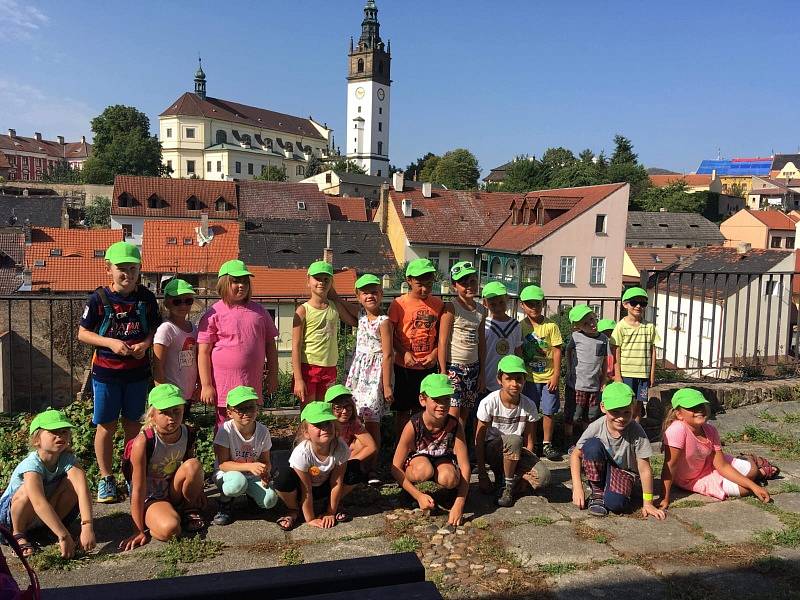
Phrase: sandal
x=766 y=470
x=27 y=548
x=342 y=517
x=192 y=520
x=289 y=521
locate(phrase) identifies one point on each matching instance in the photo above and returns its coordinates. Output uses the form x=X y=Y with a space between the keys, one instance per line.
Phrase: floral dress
x=366 y=373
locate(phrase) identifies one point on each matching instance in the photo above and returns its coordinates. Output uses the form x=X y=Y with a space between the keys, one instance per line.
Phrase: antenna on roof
x=719 y=153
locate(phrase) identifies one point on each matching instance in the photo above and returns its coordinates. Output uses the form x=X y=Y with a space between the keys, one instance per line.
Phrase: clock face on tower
x=360 y=92
x=381 y=94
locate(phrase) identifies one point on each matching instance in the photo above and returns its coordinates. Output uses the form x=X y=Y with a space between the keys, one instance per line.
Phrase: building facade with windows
x=761 y=229
x=209 y=138
x=30 y=159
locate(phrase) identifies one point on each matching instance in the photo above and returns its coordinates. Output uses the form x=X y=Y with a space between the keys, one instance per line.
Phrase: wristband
x=86 y=522
x=647 y=497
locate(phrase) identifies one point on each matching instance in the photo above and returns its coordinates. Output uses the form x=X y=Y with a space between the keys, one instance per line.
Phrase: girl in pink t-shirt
x=235 y=335
x=693 y=457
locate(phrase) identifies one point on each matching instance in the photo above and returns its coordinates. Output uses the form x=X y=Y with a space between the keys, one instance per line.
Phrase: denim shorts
x=5 y=510
x=546 y=401
x=640 y=387
x=113 y=399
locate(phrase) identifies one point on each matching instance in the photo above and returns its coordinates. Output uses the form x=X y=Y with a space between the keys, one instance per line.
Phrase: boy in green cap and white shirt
x=635 y=343
x=120 y=321
x=503 y=333
x=613 y=452
x=541 y=350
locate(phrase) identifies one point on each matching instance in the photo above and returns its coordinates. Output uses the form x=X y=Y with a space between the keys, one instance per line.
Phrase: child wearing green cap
x=165 y=474
x=119 y=320
x=50 y=486
x=606 y=327
x=241 y=447
x=503 y=333
x=635 y=343
x=175 y=342
x=541 y=350
x=462 y=341
x=235 y=337
x=350 y=428
x=315 y=335
x=317 y=470
x=370 y=375
x=432 y=446
x=415 y=318
x=694 y=460
x=613 y=452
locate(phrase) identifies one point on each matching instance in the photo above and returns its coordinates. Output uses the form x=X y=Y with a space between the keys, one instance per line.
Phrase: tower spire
x=370 y=28
x=200 y=80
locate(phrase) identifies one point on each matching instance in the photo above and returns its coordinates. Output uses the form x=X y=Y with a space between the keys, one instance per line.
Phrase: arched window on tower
x=380 y=148
x=360 y=65
x=222 y=136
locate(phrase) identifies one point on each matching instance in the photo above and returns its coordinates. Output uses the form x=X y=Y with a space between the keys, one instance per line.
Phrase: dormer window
x=154 y=201
x=222 y=136
x=55 y=251
x=125 y=201
x=99 y=253
x=193 y=203
x=220 y=205
x=187 y=241
x=171 y=241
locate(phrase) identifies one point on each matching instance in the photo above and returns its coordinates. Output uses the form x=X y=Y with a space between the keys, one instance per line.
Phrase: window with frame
x=789 y=243
x=220 y=205
x=190 y=166
x=249 y=168
x=172 y=241
x=597 y=273
x=380 y=148
x=772 y=287
x=238 y=167
x=380 y=126
x=300 y=170
x=219 y=166
x=452 y=259
x=169 y=132
x=127 y=231
x=600 y=224
x=55 y=251
x=433 y=256
x=169 y=165
x=596 y=308
x=566 y=271
x=190 y=133
x=222 y=136
x=208 y=166
x=677 y=320
x=775 y=242
x=705 y=328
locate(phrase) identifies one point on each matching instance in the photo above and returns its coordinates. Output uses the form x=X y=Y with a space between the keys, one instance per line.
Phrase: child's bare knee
x=448 y=478
x=166 y=530
x=192 y=468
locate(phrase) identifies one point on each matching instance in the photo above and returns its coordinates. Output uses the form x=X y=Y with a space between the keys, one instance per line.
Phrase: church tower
x=368 y=89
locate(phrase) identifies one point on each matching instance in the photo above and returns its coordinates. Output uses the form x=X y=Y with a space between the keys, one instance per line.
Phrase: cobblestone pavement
x=542 y=547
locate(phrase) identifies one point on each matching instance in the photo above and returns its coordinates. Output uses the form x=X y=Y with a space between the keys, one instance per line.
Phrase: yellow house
x=209 y=138
x=731 y=184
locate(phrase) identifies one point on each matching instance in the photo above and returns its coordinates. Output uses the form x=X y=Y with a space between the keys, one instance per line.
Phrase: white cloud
x=29 y=109
x=21 y=21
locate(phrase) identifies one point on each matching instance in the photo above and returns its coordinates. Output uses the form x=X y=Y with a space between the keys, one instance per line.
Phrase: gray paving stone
x=534 y=545
x=732 y=521
x=524 y=509
x=630 y=535
x=374 y=546
x=611 y=581
x=789 y=502
x=359 y=527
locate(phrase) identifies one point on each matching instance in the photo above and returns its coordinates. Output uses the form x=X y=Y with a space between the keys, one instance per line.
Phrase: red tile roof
x=279 y=200
x=347 y=209
x=774 y=219
x=452 y=217
x=4 y=164
x=67 y=151
x=517 y=238
x=691 y=180
x=293 y=283
x=192 y=105
x=648 y=259
x=555 y=203
x=164 y=247
x=80 y=267
x=175 y=194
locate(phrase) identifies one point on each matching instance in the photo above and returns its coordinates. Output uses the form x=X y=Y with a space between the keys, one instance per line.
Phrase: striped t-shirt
x=635 y=347
x=503 y=420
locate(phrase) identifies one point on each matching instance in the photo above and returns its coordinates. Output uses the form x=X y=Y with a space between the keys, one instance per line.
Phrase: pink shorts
x=716 y=486
x=317 y=379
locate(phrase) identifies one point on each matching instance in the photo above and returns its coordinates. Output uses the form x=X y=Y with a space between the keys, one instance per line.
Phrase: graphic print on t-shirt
x=244 y=453
x=419 y=336
x=187 y=357
x=534 y=352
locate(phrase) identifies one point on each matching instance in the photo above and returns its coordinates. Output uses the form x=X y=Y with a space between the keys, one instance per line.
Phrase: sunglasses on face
x=243 y=410
x=642 y=303
x=186 y=301
x=340 y=408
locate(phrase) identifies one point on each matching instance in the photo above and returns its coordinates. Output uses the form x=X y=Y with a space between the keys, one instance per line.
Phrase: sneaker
x=550 y=453
x=506 y=499
x=596 y=508
x=107 y=490
x=373 y=479
x=223 y=516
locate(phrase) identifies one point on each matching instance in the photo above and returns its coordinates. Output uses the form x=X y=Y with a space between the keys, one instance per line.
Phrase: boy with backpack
x=120 y=321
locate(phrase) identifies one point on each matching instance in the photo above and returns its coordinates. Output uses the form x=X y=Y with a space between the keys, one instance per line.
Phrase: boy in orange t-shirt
x=415 y=319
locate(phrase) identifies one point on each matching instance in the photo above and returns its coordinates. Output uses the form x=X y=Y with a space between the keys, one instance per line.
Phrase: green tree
x=314 y=167
x=61 y=172
x=524 y=174
x=624 y=167
x=272 y=173
x=675 y=197
x=457 y=170
x=414 y=170
x=342 y=165
x=122 y=146
x=98 y=213
x=428 y=170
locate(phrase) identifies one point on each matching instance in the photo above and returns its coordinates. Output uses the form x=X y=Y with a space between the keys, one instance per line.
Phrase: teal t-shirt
x=50 y=479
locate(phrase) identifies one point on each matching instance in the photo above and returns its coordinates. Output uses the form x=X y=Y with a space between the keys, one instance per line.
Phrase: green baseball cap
x=234 y=268
x=531 y=292
x=578 y=312
x=511 y=364
x=165 y=396
x=367 y=279
x=123 y=252
x=634 y=292
x=241 y=394
x=494 y=289
x=461 y=269
x=178 y=287
x=688 y=398
x=605 y=325
x=436 y=385
x=50 y=419
x=337 y=391
x=617 y=395
x=419 y=267
x=317 y=412
x=320 y=267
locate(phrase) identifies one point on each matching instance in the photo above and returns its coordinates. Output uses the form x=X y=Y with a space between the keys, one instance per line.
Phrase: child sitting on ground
x=432 y=446
x=48 y=488
x=504 y=435
x=613 y=452
x=693 y=457
x=351 y=430
x=165 y=475
x=316 y=470
x=242 y=447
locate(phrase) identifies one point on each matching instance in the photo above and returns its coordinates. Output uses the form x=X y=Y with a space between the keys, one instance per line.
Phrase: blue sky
x=681 y=79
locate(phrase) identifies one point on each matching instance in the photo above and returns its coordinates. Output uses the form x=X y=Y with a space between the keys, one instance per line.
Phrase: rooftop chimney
x=398 y=181
x=327 y=253
x=426 y=190
x=60 y=139
x=743 y=248
x=408 y=209
x=83 y=139
x=12 y=133
x=383 y=208
x=38 y=136
x=204 y=224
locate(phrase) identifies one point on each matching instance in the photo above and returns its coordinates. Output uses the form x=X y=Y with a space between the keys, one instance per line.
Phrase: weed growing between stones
x=540 y=520
x=791 y=418
x=585 y=532
x=688 y=504
x=657 y=464
x=405 y=544
x=786 y=446
x=190 y=550
x=561 y=568
x=49 y=559
x=786 y=487
x=291 y=556
x=767 y=416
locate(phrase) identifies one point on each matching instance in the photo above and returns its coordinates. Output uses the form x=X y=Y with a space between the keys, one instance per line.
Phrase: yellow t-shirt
x=320 y=336
x=538 y=351
x=635 y=347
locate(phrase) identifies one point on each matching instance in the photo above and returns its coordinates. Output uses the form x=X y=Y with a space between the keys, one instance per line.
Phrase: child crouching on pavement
x=504 y=435
x=613 y=452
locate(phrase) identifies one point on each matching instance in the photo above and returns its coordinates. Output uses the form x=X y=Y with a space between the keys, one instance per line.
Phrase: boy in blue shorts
x=541 y=350
x=120 y=321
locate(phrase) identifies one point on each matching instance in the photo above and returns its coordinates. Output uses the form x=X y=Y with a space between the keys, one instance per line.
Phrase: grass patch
x=767 y=416
x=428 y=487
x=49 y=559
x=171 y=570
x=688 y=504
x=601 y=538
x=791 y=418
x=190 y=550
x=786 y=446
x=558 y=568
x=291 y=556
x=390 y=491
x=405 y=543
x=585 y=532
x=788 y=537
x=492 y=550
x=786 y=487
x=540 y=521
x=657 y=464
x=480 y=523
